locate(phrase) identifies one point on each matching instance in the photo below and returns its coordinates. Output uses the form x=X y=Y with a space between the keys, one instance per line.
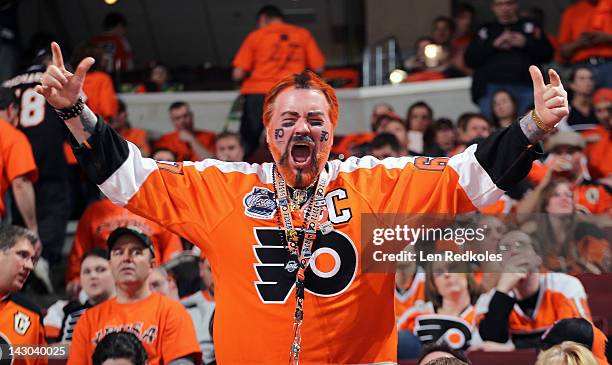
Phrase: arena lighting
x=110 y=2
x=432 y=50
x=397 y=76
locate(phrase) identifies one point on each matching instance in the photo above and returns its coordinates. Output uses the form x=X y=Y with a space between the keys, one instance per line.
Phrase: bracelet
x=539 y=122
x=73 y=111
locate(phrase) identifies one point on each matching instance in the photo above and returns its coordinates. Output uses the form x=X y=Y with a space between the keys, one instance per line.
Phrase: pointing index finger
x=58 y=60
x=536 y=77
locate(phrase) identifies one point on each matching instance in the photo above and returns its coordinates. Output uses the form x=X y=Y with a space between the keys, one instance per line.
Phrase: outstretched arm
x=161 y=192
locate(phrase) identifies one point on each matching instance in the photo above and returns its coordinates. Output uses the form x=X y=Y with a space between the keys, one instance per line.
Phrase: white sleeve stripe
x=367 y=162
x=123 y=184
x=263 y=171
x=474 y=179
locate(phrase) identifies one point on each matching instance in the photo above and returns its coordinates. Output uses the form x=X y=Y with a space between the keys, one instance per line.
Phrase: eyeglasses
x=511 y=246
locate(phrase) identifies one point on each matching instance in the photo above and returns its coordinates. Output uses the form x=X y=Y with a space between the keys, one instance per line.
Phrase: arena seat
x=526 y=356
x=599 y=298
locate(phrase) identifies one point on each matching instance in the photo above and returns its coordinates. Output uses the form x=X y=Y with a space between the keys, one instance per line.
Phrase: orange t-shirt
x=351 y=141
x=584 y=17
x=16 y=159
x=101 y=95
x=138 y=137
x=598 y=152
x=273 y=52
x=182 y=150
x=100 y=219
x=20 y=324
x=162 y=325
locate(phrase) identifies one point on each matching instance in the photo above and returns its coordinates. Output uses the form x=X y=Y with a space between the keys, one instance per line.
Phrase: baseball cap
x=134 y=231
x=581 y=331
x=565 y=138
x=602 y=95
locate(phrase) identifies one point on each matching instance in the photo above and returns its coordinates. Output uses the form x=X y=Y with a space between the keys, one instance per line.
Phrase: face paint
x=300 y=118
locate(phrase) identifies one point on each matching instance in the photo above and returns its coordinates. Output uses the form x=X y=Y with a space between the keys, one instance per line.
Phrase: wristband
x=539 y=122
x=73 y=111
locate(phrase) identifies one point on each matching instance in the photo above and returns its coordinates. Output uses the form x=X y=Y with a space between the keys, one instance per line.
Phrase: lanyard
x=299 y=259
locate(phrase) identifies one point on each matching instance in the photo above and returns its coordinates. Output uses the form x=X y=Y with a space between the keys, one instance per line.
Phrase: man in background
x=160 y=323
x=47 y=134
x=17 y=167
x=229 y=147
x=275 y=50
x=20 y=322
x=187 y=143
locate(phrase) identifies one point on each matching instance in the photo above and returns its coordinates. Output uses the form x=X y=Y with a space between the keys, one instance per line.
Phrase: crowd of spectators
x=118 y=260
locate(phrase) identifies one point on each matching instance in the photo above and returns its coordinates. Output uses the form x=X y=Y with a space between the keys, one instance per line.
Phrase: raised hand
x=550 y=100
x=60 y=87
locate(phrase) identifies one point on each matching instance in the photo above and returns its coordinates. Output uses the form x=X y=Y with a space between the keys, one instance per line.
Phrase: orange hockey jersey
x=228 y=210
x=406 y=299
x=560 y=296
x=429 y=326
x=20 y=324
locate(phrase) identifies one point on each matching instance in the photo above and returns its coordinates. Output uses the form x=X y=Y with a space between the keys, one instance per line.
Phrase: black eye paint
x=324 y=136
x=279 y=133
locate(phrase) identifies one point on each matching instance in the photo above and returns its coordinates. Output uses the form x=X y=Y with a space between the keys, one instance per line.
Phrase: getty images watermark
x=409 y=236
x=395 y=239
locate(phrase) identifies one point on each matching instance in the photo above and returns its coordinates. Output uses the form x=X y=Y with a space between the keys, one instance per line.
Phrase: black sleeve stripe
x=507 y=156
x=108 y=152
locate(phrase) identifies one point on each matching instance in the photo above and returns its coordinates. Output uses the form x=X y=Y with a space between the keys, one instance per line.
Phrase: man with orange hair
x=294 y=226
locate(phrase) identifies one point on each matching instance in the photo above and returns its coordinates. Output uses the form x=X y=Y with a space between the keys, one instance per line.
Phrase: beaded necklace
x=298 y=259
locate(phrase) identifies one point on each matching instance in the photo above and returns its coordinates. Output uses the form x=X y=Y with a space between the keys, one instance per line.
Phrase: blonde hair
x=567 y=353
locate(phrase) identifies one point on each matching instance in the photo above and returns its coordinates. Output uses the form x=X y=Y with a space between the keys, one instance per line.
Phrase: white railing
x=448 y=98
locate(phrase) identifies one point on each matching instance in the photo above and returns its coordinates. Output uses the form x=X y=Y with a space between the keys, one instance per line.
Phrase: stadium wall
x=449 y=98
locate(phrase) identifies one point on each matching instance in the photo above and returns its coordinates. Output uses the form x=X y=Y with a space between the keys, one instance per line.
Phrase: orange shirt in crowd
x=182 y=150
x=162 y=325
x=101 y=95
x=598 y=151
x=16 y=159
x=138 y=137
x=120 y=48
x=20 y=324
x=406 y=299
x=273 y=52
x=346 y=145
x=585 y=17
x=100 y=219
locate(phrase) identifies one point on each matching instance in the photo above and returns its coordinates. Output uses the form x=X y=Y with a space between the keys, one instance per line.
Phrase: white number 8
x=32 y=109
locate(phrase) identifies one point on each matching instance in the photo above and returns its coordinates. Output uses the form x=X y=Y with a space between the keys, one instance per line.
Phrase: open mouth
x=301 y=153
